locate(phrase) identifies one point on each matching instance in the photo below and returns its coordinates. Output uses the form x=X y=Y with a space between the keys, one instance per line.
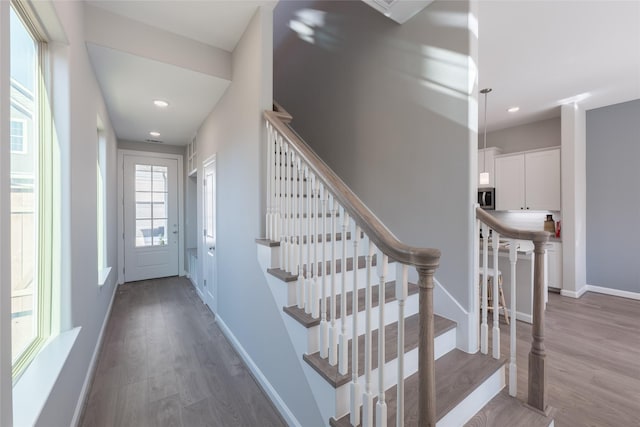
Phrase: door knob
x=212 y=248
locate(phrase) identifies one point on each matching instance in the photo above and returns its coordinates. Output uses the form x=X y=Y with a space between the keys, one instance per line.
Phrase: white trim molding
x=574 y=294
x=613 y=292
x=257 y=373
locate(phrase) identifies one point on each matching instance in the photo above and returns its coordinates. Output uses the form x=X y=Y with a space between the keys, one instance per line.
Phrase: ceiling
x=533 y=54
x=540 y=54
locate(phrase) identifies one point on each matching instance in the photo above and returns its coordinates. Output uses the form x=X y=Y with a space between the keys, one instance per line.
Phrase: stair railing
x=492 y=230
x=306 y=204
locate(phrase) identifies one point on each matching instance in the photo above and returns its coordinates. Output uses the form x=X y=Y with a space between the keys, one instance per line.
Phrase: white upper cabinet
x=528 y=181
x=490 y=153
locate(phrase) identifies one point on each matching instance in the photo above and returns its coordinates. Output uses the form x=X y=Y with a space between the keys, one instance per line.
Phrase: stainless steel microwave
x=487 y=198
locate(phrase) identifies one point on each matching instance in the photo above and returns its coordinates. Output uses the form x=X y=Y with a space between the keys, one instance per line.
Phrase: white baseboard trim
x=259 y=376
x=574 y=294
x=613 y=292
x=92 y=365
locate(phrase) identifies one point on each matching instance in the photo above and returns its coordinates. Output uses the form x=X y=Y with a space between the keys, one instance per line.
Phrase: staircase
x=372 y=349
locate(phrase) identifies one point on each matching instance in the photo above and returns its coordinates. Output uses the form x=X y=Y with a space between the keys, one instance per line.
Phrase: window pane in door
x=160 y=178
x=143 y=178
x=144 y=232
x=159 y=232
x=159 y=205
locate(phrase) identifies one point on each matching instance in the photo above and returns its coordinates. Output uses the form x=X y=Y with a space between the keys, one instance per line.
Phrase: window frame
x=22 y=137
x=46 y=177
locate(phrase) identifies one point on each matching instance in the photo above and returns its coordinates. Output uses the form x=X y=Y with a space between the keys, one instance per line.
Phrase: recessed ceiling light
x=154 y=134
x=160 y=103
x=513 y=109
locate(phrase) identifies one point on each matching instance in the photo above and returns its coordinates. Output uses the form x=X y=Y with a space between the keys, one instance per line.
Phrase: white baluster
x=355 y=386
x=268 y=233
x=315 y=290
x=402 y=291
x=292 y=207
x=333 y=330
x=324 y=326
x=484 y=328
x=513 y=367
x=495 y=243
x=295 y=261
x=280 y=190
x=477 y=284
x=300 y=282
x=309 y=262
x=312 y=268
x=343 y=349
x=381 y=407
x=367 y=396
x=287 y=203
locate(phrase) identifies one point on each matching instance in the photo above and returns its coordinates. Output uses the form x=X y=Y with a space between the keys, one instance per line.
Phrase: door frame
x=150 y=155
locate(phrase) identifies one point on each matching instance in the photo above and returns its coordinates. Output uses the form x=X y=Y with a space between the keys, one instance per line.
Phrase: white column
x=324 y=325
x=315 y=286
x=343 y=349
x=333 y=328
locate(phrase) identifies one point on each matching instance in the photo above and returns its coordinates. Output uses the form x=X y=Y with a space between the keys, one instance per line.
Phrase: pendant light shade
x=484 y=175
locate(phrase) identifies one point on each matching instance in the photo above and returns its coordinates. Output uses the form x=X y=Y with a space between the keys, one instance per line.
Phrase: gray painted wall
x=613 y=196
x=153 y=148
x=531 y=136
x=388 y=107
x=234 y=133
x=84 y=304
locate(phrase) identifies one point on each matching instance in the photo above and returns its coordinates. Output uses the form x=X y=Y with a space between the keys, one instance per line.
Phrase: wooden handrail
x=510 y=232
x=379 y=234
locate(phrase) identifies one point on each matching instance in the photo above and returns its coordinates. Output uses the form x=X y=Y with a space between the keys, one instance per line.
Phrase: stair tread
x=333 y=377
x=308 y=321
x=272 y=243
x=504 y=410
x=457 y=375
x=288 y=277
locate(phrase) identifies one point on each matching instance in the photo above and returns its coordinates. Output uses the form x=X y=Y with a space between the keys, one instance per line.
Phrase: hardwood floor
x=165 y=362
x=593 y=360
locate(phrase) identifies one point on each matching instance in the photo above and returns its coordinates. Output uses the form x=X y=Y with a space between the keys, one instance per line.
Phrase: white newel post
x=324 y=326
x=367 y=397
x=333 y=330
x=355 y=387
x=513 y=367
x=381 y=407
x=268 y=231
x=495 y=243
x=343 y=349
x=484 y=328
x=402 y=291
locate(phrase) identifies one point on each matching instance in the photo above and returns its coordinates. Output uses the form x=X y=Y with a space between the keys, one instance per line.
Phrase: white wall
x=392 y=109
x=77 y=102
x=234 y=133
x=530 y=136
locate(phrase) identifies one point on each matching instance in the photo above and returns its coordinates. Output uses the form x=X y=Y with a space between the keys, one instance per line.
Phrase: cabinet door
x=554 y=259
x=509 y=182
x=542 y=178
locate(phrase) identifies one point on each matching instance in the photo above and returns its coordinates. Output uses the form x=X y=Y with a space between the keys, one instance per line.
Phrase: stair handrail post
x=537 y=396
x=426 y=357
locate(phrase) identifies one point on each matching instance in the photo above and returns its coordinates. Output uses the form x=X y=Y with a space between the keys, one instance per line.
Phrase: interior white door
x=209 y=222
x=151 y=230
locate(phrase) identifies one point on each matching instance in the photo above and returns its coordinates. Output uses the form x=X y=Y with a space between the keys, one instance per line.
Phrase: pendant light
x=484 y=175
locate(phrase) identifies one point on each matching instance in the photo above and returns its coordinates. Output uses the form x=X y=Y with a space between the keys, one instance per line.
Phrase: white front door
x=151 y=230
x=209 y=222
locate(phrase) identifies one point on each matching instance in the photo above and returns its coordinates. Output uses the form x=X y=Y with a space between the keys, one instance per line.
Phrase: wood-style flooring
x=593 y=360
x=165 y=362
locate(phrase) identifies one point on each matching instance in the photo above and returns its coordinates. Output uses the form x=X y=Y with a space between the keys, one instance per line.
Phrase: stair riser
x=362 y=280
x=390 y=316
x=443 y=344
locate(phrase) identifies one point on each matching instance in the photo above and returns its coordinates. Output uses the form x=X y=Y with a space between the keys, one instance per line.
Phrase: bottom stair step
x=458 y=374
x=504 y=410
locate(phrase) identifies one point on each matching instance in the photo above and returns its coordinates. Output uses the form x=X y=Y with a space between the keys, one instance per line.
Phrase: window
x=31 y=195
x=152 y=193
x=17 y=136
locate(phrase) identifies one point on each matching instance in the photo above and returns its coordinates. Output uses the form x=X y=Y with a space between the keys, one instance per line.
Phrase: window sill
x=32 y=390
x=103 y=275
